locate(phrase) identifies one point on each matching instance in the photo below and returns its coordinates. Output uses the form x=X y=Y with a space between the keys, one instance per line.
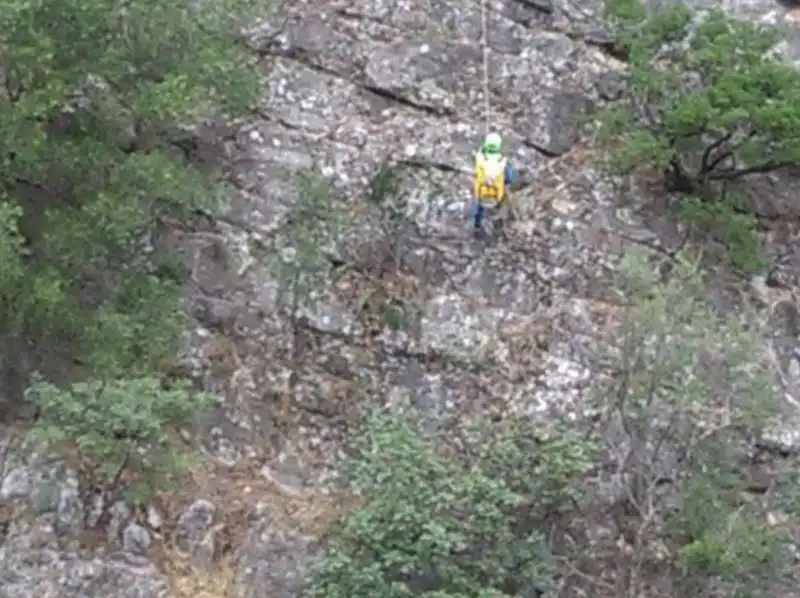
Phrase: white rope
x=487 y=107
x=485 y=51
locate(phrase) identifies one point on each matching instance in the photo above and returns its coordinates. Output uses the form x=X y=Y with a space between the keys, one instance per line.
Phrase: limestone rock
x=273 y=562
x=194 y=535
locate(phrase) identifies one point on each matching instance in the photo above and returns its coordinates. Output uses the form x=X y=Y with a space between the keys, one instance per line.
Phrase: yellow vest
x=490 y=177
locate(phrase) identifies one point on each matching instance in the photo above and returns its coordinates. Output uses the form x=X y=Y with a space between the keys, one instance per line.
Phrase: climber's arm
x=509 y=177
x=475 y=190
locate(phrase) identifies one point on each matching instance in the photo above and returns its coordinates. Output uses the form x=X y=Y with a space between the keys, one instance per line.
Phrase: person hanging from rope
x=493 y=175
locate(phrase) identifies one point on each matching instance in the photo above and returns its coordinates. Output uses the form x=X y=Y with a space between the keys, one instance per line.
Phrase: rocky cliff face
x=496 y=325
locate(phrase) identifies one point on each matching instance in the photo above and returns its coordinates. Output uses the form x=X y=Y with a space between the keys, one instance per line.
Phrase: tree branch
x=706 y=164
x=731 y=174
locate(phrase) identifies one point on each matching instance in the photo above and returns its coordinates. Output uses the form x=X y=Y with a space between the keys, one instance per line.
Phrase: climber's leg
x=502 y=216
x=477 y=215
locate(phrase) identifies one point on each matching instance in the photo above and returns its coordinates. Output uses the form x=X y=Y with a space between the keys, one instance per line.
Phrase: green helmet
x=493 y=144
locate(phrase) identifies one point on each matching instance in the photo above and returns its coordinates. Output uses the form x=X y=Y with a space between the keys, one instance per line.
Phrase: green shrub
x=689 y=390
x=442 y=526
x=122 y=427
x=736 y=231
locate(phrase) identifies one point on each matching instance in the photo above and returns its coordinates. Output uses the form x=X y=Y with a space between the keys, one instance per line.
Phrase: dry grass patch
x=243 y=496
x=185 y=582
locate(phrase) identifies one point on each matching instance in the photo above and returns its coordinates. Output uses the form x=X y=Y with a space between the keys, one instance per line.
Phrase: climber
x=493 y=175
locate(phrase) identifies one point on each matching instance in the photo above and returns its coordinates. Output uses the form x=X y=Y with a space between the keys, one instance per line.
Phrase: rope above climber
x=493 y=175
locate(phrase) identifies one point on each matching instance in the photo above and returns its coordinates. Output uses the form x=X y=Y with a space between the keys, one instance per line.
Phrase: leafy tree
x=401 y=258
x=98 y=106
x=735 y=230
x=306 y=250
x=442 y=524
x=706 y=100
x=119 y=427
x=304 y=253
x=97 y=96
x=690 y=392
x=387 y=195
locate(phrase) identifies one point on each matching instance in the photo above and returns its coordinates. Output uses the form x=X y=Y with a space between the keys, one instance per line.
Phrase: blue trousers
x=479 y=212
